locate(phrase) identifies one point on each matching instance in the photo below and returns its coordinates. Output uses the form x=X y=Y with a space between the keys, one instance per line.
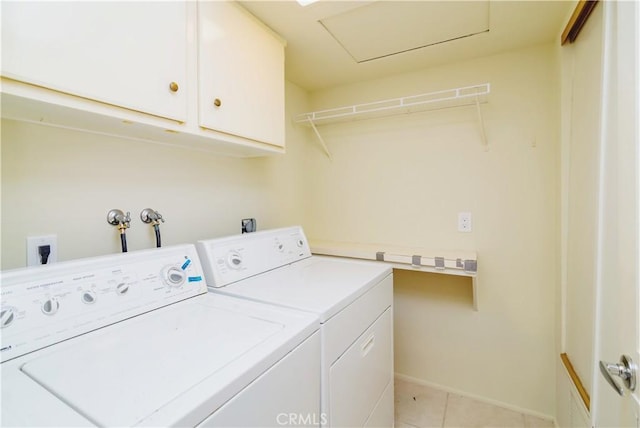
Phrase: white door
x=618 y=294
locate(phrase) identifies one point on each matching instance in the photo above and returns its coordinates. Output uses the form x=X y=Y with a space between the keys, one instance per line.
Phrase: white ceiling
x=325 y=54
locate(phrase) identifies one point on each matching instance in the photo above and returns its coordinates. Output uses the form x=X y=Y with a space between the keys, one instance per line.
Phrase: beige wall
x=63 y=182
x=402 y=180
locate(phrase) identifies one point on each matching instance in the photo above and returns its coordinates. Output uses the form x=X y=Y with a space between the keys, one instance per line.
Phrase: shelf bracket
x=483 y=135
x=324 y=145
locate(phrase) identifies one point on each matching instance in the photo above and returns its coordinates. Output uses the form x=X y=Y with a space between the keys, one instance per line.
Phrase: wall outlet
x=34 y=243
x=249 y=225
x=464 y=222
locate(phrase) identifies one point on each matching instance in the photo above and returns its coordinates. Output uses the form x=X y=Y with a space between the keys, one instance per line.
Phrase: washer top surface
x=169 y=366
x=141 y=365
x=322 y=285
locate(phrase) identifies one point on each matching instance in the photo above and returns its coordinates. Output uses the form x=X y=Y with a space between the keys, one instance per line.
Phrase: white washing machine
x=353 y=300
x=135 y=340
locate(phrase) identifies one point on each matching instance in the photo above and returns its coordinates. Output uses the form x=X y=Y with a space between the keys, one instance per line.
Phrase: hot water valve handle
x=118 y=218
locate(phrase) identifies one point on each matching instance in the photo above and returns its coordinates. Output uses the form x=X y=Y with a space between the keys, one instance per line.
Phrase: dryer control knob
x=234 y=260
x=174 y=276
x=50 y=306
x=7 y=316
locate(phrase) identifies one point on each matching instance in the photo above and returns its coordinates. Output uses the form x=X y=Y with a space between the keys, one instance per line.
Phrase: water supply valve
x=152 y=216
x=118 y=218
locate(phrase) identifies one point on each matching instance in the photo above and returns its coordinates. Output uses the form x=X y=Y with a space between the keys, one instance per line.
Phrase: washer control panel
x=43 y=305
x=231 y=259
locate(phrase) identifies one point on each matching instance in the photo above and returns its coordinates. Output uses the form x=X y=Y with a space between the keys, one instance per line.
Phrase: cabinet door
x=121 y=53
x=241 y=74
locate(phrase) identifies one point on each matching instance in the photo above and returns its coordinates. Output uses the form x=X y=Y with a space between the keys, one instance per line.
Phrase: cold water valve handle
x=118 y=218
x=153 y=217
x=149 y=215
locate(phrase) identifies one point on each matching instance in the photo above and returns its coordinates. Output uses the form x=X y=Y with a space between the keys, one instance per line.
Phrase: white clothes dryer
x=135 y=340
x=353 y=300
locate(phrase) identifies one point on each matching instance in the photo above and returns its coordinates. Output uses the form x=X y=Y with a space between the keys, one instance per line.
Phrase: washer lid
x=321 y=285
x=128 y=372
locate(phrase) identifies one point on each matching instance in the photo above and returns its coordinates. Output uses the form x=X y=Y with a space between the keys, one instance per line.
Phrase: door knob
x=626 y=370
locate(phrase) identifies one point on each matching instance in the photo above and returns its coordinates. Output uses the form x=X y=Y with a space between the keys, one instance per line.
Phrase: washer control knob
x=299 y=242
x=234 y=260
x=88 y=297
x=50 y=306
x=122 y=288
x=7 y=316
x=174 y=276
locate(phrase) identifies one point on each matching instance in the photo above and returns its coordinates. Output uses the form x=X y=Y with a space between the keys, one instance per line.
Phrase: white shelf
x=457 y=97
x=460 y=263
x=430 y=101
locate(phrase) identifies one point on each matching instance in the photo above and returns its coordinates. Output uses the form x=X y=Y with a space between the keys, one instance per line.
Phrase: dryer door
x=361 y=375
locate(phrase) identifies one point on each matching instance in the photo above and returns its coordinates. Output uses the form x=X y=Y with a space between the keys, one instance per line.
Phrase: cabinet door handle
x=173 y=86
x=217 y=102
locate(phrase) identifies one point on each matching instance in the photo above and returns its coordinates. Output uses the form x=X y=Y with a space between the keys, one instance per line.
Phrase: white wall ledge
x=447 y=262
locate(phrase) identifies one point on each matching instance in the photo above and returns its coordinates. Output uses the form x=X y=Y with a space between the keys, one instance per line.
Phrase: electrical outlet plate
x=464 y=222
x=34 y=242
x=248 y=225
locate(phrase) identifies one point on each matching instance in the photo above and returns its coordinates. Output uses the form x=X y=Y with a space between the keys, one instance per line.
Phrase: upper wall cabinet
x=129 y=54
x=241 y=76
x=202 y=75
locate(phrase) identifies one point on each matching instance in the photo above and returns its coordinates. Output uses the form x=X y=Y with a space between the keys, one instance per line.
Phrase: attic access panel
x=386 y=28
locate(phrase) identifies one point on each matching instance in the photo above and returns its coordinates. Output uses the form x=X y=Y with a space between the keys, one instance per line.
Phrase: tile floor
x=419 y=406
